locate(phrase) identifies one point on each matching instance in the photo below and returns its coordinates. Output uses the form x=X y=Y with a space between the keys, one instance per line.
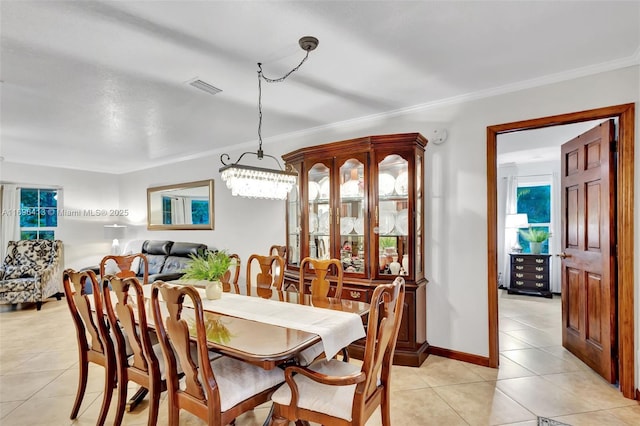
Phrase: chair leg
x=154 y=403
x=59 y=296
x=82 y=386
x=174 y=413
x=122 y=399
x=385 y=410
x=38 y=306
x=109 y=384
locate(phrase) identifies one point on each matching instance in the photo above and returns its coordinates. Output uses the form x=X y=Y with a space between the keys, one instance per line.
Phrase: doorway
x=624 y=231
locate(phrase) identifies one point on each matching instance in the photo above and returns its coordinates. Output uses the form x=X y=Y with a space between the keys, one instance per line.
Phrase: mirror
x=182 y=206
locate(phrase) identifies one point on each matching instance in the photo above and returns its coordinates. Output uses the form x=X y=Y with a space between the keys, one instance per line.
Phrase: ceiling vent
x=204 y=86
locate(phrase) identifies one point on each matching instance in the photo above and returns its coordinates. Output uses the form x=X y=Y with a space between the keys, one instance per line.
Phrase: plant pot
x=213 y=290
x=536 y=248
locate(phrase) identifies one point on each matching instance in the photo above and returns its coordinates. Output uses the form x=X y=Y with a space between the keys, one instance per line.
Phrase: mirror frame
x=159 y=226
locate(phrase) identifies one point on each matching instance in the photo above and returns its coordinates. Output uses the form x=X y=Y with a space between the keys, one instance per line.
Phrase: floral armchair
x=31 y=272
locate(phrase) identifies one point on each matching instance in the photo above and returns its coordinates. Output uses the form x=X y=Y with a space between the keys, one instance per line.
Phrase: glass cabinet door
x=294 y=208
x=419 y=238
x=351 y=217
x=393 y=217
x=319 y=217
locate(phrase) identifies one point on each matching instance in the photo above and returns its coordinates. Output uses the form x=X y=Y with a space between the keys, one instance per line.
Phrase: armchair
x=31 y=272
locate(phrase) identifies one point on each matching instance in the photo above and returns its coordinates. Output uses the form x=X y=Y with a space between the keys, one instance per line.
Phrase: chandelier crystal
x=258 y=182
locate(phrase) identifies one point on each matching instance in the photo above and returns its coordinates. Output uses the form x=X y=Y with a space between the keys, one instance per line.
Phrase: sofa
x=31 y=272
x=168 y=259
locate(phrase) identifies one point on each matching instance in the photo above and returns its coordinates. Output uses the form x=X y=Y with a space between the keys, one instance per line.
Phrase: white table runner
x=337 y=329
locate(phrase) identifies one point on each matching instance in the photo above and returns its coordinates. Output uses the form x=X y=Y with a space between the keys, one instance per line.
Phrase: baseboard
x=459 y=356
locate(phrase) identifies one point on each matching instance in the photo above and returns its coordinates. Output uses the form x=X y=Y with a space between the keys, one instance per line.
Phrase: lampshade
x=258 y=182
x=519 y=220
x=114 y=233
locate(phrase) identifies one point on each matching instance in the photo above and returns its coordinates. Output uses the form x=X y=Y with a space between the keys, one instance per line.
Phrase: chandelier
x=258 y=182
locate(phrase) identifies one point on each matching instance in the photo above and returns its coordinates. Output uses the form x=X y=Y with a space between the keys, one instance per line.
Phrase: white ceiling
x=85 y=82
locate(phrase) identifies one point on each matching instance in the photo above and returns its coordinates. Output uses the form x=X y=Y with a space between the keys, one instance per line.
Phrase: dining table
x=270 y=328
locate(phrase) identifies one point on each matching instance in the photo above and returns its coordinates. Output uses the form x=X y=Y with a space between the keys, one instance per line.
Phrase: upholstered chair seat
x=335 y=401
x=238 y=380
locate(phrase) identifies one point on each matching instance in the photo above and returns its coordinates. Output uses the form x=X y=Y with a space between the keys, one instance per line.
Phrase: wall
x=83 y=193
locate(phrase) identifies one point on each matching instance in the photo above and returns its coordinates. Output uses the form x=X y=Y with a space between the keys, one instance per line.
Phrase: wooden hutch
x=362 y=201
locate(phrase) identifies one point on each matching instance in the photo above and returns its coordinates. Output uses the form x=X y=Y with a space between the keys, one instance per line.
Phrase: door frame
x=624 y=228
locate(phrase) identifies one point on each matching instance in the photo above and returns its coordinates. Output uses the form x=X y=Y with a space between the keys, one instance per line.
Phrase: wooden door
x=589 y=313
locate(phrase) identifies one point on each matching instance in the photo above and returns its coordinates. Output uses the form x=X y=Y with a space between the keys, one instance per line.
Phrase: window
x=535 y=201
x=38 y=213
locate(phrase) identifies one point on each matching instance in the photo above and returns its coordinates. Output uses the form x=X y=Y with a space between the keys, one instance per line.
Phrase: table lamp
x=514 y=222
x=114 y=233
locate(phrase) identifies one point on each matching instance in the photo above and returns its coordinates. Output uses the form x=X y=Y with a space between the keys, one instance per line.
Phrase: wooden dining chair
x=264 y=277
x=320 y=285
x=92 y=331
x=145 y=366
x=276 y=250
x=320 y=289
x=338 y=393
x=217 y=391
x=230 y=278
x=124 y=264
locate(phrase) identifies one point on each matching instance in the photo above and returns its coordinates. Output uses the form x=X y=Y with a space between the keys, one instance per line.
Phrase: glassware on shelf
x=346 y=225
x=314 y=190
x=387 y=222
x=402 y=183
x=394 y=266
x=386 y=184
x=402 y=222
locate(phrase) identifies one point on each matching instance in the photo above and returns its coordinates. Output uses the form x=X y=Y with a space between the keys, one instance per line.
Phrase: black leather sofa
x=168 y=259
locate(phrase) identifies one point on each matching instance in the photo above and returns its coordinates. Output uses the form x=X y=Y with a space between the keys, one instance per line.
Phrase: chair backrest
x=128 y=320
x=174 y=333
x=320 y=285
x=276 y=250
x=383 y=326
x=87 y=313
x=34 y=254
x=125 y=266
x=265 y=277
x=230 y=278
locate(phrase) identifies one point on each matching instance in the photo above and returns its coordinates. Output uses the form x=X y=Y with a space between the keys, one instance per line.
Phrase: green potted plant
x=535 y=237
x=211 y=267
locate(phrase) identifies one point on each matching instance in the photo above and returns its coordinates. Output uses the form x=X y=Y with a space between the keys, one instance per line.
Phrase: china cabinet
x=362 y=201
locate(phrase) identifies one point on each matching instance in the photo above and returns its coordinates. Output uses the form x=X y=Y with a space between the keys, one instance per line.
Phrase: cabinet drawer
x=358 y=294
x=540 y=269
x=532 y=284
x=530 y=276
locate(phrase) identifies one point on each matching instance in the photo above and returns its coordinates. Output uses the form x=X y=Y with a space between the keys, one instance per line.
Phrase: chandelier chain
x=261 y=77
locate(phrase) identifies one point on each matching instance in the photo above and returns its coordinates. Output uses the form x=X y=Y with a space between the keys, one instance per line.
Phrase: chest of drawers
x=530 y=274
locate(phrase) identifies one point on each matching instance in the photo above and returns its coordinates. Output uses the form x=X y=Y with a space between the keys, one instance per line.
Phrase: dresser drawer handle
x=539 y=260
x=355 y=294
x=539 y=277
x=539 y=284
x=539 y=268
x=519 y=275
x=519 y=282
x=519 y=268
x=519 y=259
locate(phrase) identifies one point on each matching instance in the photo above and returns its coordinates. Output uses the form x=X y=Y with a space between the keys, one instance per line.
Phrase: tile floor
x=38 y=377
